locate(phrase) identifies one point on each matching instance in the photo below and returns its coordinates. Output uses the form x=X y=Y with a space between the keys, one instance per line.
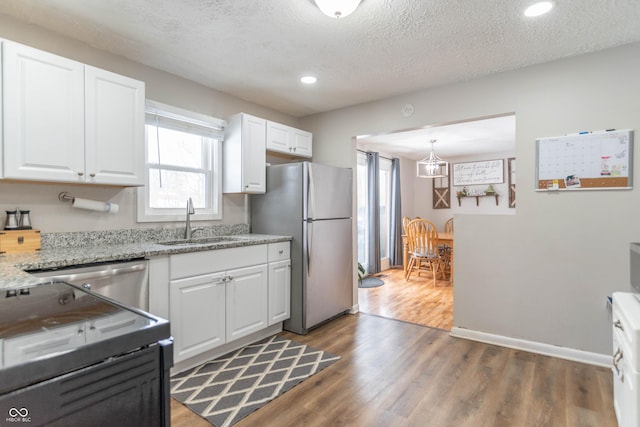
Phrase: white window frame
x=385 y=171
x=147 y=214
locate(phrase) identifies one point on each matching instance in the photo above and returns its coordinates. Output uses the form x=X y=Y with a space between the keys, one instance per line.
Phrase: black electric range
x=67 y=354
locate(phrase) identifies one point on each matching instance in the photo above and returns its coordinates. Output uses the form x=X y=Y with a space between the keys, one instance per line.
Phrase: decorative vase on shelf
x=490 y=190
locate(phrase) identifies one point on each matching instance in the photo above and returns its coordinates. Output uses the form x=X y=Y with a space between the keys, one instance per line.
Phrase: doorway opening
x=418 y=300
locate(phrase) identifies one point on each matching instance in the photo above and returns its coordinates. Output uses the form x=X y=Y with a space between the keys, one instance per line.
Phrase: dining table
x=444 y=238
x=447 y=239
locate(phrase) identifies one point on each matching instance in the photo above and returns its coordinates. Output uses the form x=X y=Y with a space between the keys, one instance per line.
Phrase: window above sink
x=182 y=160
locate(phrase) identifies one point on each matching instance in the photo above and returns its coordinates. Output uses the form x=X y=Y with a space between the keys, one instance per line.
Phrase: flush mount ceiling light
x=337 y=8
x=308 y=80
x=538 y=9
x=432 y=166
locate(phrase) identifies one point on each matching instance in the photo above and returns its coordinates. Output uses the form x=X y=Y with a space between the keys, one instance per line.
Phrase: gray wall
x=49 y=214
x=544 y=273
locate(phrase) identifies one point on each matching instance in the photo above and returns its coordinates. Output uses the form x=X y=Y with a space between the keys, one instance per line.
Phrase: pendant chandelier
x=337 y=8
x=432 y=166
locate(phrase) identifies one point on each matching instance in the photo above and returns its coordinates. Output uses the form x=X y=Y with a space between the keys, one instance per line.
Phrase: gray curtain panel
x=395 y=237
x=373 y=212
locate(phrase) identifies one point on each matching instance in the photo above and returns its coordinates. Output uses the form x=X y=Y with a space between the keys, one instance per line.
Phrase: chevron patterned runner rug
x=227 y=389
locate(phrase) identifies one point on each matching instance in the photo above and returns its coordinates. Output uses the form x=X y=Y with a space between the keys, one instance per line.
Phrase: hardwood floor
x=399 y=374
x=415 y=301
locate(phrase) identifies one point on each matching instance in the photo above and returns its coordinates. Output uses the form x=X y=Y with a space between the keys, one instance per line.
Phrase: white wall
x=49 y=214
x=544 y=273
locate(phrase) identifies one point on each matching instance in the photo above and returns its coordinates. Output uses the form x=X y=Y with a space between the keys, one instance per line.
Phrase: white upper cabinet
x=114 y=128
x=286 y=139
x=244 y=165
x=67 y=122
x=43 y=115
x=302 y=143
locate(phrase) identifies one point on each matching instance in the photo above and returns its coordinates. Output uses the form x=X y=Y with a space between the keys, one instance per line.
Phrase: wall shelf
x=477 y=198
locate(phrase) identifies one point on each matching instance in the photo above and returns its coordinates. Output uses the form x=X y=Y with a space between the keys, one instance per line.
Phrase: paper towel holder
x=92 y=205
x=65 y=197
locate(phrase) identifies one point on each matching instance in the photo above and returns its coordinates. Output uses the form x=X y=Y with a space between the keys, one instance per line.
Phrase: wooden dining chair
x=448 y=226
x=445 y=250
x=405 y=250
x=424 y=254
x=405 y=221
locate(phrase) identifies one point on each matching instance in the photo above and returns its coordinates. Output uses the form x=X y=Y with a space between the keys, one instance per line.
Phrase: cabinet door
x=43 y=115
x=253 y=155
x=247 y=296
x=302 y=143
x=197 y=314
x=278 y=137
x=114 y=128
x=279 y=291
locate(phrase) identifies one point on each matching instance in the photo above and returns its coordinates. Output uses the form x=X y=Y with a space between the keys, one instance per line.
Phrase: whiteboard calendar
x=583 y=161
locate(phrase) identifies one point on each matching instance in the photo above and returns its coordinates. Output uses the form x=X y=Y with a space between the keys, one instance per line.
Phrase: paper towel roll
x=113 y=207
x=94 y=205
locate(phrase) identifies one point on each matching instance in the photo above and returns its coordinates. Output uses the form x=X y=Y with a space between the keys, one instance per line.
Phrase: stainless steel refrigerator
x=312 y=203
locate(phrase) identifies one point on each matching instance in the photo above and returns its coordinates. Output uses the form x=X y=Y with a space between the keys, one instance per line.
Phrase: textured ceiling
x=257 y=49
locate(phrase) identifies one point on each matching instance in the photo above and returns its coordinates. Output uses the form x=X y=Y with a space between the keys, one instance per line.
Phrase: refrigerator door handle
x=309 y=245
x=311 y=198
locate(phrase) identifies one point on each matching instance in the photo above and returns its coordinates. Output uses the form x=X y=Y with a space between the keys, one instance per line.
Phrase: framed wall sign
x=473 y=173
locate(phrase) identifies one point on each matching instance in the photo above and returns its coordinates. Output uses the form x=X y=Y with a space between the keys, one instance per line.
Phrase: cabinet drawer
x=205 y=262
x=279 y=251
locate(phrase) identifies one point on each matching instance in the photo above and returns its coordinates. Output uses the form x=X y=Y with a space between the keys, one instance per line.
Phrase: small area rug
x=227 y=389
x=370 y=282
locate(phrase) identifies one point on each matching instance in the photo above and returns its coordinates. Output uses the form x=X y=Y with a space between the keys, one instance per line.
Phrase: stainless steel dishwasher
x=126 y=282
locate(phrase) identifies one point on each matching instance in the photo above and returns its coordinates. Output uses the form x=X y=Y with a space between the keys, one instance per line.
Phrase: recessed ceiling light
x=308 y=80
x=538 y=9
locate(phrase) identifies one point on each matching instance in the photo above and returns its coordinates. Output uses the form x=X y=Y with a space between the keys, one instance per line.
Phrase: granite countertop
x=13 y=266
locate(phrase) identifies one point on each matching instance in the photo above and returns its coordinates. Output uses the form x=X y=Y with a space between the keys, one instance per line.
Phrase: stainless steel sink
x=199 y=241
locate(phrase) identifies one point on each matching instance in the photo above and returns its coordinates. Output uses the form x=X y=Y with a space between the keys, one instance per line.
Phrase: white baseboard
x=534 y=347
x=354 y=309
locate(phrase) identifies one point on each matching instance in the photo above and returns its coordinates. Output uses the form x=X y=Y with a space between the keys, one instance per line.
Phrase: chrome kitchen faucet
x=188 y=231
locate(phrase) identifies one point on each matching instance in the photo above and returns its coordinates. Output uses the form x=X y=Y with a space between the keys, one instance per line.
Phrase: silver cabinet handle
x=618 y=324
x=218 y=280
x=617 y=357
x=92 y=175
x=80 y=173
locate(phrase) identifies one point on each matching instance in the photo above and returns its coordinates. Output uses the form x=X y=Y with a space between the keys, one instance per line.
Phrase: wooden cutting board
x=19 y=241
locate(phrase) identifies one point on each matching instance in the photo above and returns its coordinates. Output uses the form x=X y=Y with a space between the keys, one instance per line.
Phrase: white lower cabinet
x=197 y=313
x=247 y=294
x=221 y=296
x=279 y=282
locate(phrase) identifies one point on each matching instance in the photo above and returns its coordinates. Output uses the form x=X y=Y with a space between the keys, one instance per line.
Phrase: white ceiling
x=256 y=50
x=466 y=139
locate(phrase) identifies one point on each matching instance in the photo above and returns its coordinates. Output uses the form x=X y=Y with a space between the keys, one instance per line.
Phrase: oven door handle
x=98 y=274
